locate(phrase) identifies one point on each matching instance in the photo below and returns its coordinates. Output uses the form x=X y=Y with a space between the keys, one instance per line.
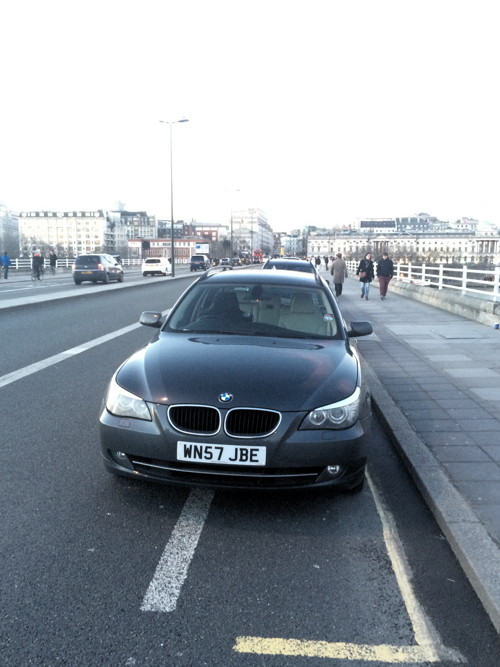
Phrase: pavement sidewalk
x=435 y=380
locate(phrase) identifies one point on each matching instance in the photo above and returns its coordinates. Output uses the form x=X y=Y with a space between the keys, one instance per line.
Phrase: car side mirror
x=150 y=319
x=360 y=329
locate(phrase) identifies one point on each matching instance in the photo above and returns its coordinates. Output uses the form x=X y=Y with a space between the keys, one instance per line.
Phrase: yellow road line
x=428 y=648
x=383 y=653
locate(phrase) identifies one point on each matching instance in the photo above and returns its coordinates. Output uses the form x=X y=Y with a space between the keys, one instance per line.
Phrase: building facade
x=452 y=246
x=9 y=231
x=130 y=225
x=184 y=248
x=72 y=233
x=69 y=233
x=251 y=231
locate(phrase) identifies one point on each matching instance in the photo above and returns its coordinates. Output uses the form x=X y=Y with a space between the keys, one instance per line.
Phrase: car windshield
x=256 y=309
x=88 y=259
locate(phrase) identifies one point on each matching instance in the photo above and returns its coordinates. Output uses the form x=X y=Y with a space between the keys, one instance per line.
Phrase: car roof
x=92 y=254
x=292 y=278
x=290 y=264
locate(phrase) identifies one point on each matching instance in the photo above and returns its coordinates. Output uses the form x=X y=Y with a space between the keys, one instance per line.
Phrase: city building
x=292 y=244
x=128 y=225
x=434 y=247
x=9 y=231
x=69 y=233
x=251 y=231
x=73 y=233
x=184 y=248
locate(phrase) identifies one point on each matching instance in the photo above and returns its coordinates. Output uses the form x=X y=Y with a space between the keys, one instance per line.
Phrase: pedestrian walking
x=338 y=270
x=52 y=261
x=37 y=264
x=318 y=262
x=5 y=263
x=325 y=259
x=366 y=274
x=385 y=271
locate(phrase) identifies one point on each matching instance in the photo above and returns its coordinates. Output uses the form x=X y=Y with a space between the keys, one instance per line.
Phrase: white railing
x=24 y=263
x=472 y=281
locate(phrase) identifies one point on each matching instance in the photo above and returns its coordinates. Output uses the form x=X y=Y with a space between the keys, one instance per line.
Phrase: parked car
x=152 y=266
x=96 y=268
x=255 y=424
x=199 y=262
x=290 y=264
x=235 y=261
x=225 y=261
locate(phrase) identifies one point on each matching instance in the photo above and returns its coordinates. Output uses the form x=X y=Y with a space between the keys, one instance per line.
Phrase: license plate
x=243 y=455
x=87 y=272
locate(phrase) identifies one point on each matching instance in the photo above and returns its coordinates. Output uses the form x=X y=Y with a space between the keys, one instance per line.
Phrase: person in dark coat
x=37 y=263
x=366 y=274
x=53 y=261
x=385 y=271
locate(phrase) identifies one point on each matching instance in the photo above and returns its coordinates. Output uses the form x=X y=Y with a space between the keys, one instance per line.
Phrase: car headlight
x=335 y=416
x=122 y=403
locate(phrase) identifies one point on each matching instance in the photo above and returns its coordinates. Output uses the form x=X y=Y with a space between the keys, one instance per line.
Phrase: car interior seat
x=226 y=305
x=304 y=316
x=269 y=310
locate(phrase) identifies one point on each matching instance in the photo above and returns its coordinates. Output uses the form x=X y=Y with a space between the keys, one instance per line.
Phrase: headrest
x=302 y=303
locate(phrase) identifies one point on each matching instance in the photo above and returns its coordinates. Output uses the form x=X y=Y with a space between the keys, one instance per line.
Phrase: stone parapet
x=486 y=311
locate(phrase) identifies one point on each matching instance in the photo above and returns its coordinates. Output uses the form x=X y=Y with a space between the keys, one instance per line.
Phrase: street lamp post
x=232 y=222
x=172 y=237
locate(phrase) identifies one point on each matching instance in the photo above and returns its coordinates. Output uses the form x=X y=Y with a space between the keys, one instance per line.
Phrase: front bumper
x=295 y=459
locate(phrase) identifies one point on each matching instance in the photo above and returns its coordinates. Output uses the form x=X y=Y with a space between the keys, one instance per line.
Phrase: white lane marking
x=171 y=572
x=50 y=361
x=425 y=635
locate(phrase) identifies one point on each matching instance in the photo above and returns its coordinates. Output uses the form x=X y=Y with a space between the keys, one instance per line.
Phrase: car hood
x=277 y=373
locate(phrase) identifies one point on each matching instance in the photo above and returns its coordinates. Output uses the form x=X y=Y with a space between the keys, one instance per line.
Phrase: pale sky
x=319 y=112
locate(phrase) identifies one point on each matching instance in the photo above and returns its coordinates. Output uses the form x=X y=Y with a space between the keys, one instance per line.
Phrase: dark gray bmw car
x=252 y=381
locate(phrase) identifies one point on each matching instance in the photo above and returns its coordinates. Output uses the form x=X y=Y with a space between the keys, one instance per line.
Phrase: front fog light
x=122 y=459
x=330 y=473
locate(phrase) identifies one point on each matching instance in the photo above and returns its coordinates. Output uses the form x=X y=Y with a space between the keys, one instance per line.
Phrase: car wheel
x=106 y=279
x=120 y=277
x=78 y=282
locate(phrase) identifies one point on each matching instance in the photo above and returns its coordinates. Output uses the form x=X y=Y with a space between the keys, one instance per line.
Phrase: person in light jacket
x=366 y=274
x=338 y=270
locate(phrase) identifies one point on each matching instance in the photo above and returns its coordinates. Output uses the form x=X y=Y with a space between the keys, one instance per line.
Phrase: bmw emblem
x=225 y=398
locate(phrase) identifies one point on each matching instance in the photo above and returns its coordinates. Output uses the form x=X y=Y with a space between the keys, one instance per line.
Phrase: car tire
x=106 y=279
x=120 y=278
x=77 y=282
